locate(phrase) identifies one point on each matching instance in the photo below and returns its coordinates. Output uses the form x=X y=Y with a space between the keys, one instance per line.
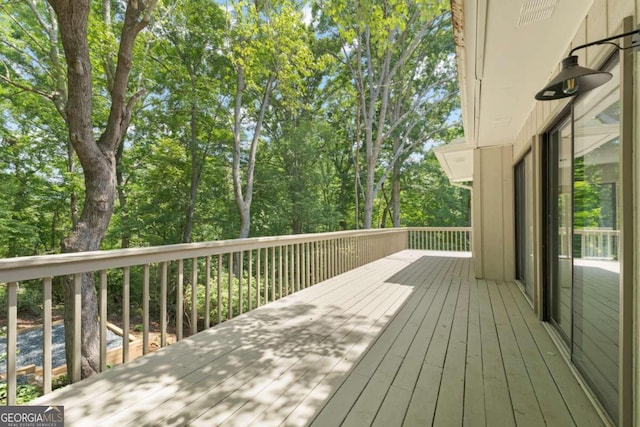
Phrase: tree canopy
x=213 y=120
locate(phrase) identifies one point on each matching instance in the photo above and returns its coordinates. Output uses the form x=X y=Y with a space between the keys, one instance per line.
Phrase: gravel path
x=30 y=346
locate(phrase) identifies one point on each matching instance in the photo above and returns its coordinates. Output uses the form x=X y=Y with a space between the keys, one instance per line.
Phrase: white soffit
x=507 y=51
x=456 y=159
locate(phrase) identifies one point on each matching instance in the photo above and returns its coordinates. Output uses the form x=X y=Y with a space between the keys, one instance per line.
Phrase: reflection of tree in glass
x=586 y=195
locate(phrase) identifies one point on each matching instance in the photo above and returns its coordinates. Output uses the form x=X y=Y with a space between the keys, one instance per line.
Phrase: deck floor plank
x=449 y=409
x=554 y=410
x=498 y=405
x=525 y=404
x=581 y=409
x=473 y=409
x=412 y=339
x=336 y=408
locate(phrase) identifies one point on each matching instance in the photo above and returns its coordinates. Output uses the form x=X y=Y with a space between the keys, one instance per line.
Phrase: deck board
x=412 y=339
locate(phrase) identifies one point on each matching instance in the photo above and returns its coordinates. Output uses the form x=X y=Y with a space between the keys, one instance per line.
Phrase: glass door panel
x=559 y=232
x=596 y=266
x=524 y=224
x=582 y=234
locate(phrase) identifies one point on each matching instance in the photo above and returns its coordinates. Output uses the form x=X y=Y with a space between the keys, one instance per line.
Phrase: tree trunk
x=369 y=193
x=245 y=221
x=87 y=235
x=395 y=194
x=296 y=224
x=125 y=236
x=243 y=201
x=196 y=168
x=96 y=157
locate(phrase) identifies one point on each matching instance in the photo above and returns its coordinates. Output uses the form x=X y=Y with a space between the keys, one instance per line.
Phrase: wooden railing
x=456 y=239
x=187 y=287
x=231 y=277
x=593 y=243
x=598 y=243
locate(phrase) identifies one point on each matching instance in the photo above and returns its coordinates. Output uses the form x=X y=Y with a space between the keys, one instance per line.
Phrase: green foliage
x=586 y=195
x=30 y=298
x=223 y=298
x=175 y=171
x=25 y=393
x=430 y=200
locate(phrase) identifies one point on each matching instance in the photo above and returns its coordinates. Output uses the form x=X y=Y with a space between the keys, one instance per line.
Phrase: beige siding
x=493 y=213
x=597 y=29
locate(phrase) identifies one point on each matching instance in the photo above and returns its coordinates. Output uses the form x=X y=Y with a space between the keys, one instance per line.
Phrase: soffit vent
x=533 y=11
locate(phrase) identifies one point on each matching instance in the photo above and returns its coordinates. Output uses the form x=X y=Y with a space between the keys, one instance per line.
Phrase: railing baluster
x=126 y=287
x=249 y=277
x=273 y=275
x=240 y=274
x=179 y=300
x=321 y=260
x=312 y=254
x=76 y=365
x=265 y=295
x=12 y=341
x=219 y=289
x=207 y=293
x=258 y=276
x=230 y=288
x=287 y=254
x=332 y=270
x=295 y=268
x=46 y=336
x=163 y=305
x=305 y=266
x=194 y=296
x=145 y=310
x=280 y=272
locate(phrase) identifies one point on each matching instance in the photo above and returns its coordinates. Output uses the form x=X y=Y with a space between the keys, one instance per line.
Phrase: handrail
x=25 y=268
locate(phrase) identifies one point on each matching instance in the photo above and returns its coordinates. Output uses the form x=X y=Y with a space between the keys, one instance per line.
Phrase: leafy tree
x=378 y=39
x=270 y=57
x=429 y=199
x=190 y=86
x=96 y=155
x=36 y=153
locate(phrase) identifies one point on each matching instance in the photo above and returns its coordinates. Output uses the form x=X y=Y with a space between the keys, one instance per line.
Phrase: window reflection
x=596 y=268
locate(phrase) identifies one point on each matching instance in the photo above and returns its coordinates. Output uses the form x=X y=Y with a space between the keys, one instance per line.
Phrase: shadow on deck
x=409 y=340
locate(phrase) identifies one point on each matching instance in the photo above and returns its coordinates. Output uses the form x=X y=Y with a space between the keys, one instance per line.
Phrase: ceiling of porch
x=507 y=51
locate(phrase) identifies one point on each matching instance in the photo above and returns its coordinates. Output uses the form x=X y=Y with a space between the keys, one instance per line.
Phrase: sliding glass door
x=560 y=231
x=582 y=266
x=524 y=224
x=596 y=266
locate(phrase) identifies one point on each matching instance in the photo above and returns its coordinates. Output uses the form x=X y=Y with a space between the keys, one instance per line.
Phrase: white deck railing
x=264 y=270
x=599 y=243
x=595 y=243
x=456 y=239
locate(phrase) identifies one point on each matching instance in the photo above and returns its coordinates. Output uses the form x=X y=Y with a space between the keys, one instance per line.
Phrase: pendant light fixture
x=574 y=79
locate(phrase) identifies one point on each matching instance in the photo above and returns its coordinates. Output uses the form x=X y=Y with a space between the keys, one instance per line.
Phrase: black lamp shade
x=572 y=80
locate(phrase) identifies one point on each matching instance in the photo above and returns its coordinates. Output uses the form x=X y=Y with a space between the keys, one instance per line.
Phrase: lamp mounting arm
x=606 y=40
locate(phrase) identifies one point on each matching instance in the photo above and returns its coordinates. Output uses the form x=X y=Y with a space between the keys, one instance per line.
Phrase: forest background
x=246 y=119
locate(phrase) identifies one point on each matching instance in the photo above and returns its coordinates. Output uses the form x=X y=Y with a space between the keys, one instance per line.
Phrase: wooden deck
x=411 y=339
